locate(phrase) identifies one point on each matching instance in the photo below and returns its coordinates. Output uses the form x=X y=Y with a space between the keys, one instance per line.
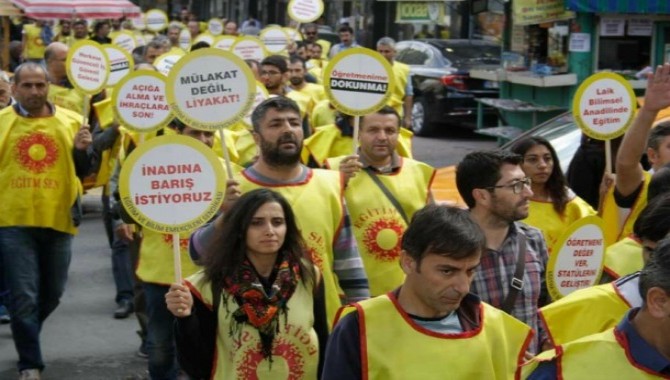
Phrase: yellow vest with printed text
x=544 y=217
x=610 y=214
x=318 y=206
x=599 y=356
x=401 y=74
x=38 y=173
x=328 y=142
x=573 y=316
x=69 y=98
x=623 y=257
x=378 y=226
x=35 y=46
x=295 y=351
x=395 y=347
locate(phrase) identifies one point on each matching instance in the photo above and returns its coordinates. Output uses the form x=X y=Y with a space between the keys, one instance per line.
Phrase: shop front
x=551 y=46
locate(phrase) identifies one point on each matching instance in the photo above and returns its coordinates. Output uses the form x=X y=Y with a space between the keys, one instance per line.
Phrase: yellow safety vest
x=317 y=204
x=305 y=102
x=574 y=316
x=599 y=356
x=395 y=347
x=328 y=142
x=322 y=115
x=156 y=263
x=315 y=67
x=68 y=98
x=103 y=110
x=623 y=257
x=325 y=48
x=38 y=173
x=176 y=50
x=314 y=91
x=35 y=46
x=244 y=144
x=610 y=214
x=401 y=74
x=295 y=349
x=67 y=40
x=544 y=217
x=378 y=226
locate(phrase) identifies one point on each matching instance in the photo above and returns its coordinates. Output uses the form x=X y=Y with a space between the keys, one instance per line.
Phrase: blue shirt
x=642 y=353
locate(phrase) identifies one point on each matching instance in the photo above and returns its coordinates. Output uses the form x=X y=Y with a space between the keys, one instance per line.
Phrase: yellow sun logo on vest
x=252 y=365
x=382 y=239
x=36 y=152
x=167 y=239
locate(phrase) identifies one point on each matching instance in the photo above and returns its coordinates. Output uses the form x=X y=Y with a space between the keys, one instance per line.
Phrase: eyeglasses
x=516 y=186
x=269 y=73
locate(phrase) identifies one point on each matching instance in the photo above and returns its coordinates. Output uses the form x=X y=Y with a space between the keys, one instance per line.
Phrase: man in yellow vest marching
x=402 y=94
x=431 y=326
x=637 y=348
x=43 y=152
x=35 y=39
x=316 y=196
x=624 y=201
x=383 y=192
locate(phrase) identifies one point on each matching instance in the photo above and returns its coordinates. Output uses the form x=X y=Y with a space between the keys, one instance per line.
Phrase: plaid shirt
x=492 y=280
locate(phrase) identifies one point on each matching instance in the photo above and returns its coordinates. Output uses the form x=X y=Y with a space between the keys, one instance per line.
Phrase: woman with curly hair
x=257 y=306
x=553 y=206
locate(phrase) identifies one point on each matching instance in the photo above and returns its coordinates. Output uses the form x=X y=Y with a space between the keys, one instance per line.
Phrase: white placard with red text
x=305 y=11
x=248 y=47
x=172 y=184
x=577 y=258
x=87 y=67
x=140 y=103
x=604 y=106
x=210 y=89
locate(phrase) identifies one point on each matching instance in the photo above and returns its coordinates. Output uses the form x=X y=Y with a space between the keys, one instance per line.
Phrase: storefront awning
x=619 y=6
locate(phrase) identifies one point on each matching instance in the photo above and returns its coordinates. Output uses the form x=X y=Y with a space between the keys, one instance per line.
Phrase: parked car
x=444 y=92
x=563 y=134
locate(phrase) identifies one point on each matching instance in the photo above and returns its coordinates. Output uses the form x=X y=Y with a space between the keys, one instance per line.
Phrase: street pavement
x=81 y=340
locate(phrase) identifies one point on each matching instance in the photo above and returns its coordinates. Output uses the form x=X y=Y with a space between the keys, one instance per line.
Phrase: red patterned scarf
x=257 y=308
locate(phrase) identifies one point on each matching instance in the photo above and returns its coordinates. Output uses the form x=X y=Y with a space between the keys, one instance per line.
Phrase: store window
x=624 y=45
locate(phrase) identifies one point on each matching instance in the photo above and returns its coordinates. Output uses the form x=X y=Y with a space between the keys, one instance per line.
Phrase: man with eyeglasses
x=274 y=75
x=511 y=274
